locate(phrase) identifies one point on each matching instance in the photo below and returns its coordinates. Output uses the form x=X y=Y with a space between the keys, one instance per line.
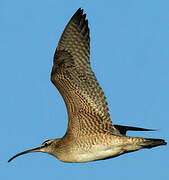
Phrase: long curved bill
x=38 y=149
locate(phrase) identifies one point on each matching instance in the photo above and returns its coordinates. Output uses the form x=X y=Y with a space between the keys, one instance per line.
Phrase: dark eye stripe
x=45 y=141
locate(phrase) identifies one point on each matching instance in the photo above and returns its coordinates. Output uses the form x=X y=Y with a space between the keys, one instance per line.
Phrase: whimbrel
x=90 y=134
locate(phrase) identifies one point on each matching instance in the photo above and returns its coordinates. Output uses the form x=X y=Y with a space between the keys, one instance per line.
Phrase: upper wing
x=72 y=75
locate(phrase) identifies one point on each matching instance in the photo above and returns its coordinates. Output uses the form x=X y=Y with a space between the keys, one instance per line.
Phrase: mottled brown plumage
x=90 y=135
x=72 y=75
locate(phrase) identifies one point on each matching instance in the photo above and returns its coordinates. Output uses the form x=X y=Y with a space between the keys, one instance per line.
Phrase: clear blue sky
x=130 y=56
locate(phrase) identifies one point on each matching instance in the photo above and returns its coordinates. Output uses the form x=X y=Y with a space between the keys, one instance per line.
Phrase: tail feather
x=124 y=129
x=150 y=143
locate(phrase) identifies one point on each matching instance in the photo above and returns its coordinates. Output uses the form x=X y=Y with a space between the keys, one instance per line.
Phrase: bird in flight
x=90 y=134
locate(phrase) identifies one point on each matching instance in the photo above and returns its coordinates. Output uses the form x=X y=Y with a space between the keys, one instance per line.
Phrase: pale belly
x=97 y=153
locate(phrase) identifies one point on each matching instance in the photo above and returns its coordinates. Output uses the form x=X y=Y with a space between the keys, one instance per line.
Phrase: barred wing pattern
x=72 y=75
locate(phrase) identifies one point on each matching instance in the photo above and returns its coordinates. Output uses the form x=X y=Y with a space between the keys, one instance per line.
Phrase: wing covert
x=72 y=75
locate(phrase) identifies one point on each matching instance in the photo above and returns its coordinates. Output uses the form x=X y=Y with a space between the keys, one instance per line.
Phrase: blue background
x=130 y=56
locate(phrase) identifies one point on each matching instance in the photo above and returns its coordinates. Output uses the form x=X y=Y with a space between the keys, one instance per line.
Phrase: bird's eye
x=45 y=143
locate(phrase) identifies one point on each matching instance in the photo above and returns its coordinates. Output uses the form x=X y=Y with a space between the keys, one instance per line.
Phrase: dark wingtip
x=79 y=12
x=124 y=129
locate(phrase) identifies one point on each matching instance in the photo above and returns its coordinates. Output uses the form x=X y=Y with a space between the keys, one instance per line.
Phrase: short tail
x=150 y=143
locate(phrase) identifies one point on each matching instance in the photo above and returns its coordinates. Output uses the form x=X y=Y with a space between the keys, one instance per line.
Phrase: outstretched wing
x=72 y=75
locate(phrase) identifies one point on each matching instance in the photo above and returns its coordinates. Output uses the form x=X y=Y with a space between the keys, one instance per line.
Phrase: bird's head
x=47 y=147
